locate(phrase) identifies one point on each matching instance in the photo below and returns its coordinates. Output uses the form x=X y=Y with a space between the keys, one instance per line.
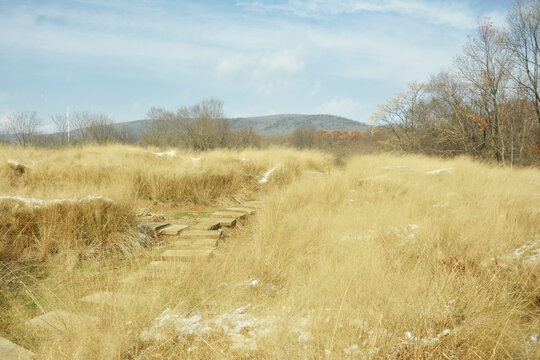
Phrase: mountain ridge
x=274 y=124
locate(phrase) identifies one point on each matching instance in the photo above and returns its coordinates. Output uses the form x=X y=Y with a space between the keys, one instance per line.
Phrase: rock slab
x=172 y=230
x=60 y=320
x=11 y=351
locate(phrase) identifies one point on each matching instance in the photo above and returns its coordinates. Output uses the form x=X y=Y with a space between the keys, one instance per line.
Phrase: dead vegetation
x=386 y=257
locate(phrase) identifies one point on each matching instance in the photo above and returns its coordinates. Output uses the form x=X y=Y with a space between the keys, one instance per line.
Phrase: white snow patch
x=528 y=253
x=38 y=203
x=352 y=350
x=429 y=341
x=242 y=328
x=439 y=171
x=18 y=163
x=171 y=153
x=378 y=177
x=394 y=167
x=264 y=179
x=441 y=205
x=352 y=237
x=195 y=159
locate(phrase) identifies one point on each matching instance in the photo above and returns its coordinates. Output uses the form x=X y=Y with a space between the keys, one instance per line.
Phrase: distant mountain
x=272 y=124
x=279 y=124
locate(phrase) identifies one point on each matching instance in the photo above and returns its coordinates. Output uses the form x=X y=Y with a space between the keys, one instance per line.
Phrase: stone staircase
x=186 y=244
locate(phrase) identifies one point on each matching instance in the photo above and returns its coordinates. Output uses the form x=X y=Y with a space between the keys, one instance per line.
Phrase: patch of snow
x=528 y=253
x=352 y=350
x=439 y=171
x=171 y=153
x=440 y=205
x=378 y=177
x=195 y=159
x=264 y=179
x=429 y=341
x=352 y=237
x=241 y=327
x=394 y=167
x=38 y=203
x=107 y=166
x=18 y=163
x=241 y=159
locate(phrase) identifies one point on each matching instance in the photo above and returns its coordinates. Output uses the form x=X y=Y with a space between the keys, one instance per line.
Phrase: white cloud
x=231 y=64
x=345 y=107
x=282 y=61
x=450 y=13
x=264 y=72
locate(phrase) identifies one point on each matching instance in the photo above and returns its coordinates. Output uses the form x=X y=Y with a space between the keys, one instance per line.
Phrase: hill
x=273 y=124
x=284 y=123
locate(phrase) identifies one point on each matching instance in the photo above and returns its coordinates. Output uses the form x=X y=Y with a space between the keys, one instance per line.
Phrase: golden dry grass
x=384 y=259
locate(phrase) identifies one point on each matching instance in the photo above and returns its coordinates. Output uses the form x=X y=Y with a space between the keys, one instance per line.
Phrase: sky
x=340 y=57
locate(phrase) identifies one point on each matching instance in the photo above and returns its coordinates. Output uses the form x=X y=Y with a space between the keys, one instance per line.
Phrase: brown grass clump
x=33 y=229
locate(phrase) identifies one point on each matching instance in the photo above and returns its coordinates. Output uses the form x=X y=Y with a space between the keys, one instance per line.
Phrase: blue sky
x=259 y=57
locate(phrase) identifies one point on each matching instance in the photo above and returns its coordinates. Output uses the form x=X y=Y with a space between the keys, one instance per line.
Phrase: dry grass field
x=385 y=257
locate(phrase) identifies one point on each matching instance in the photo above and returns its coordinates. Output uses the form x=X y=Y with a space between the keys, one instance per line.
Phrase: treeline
x=202 y=126
x=23 y=128
x=487 y=105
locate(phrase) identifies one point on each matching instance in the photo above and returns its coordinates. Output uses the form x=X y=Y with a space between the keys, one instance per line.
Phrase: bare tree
x=402 y=115
x=100 y=128
x=484 y=66
x=203 y=126
x=304 y=137
x=158 y=130
x=523 y=41
x=23 y=126
x=93 y=127
x=61 y=127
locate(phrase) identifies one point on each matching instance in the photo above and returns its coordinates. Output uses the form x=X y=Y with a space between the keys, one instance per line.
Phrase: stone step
x=112 y=299
x=60 y=320
x=148 y=275
x=214 y=223
x=229 y=214
x=254 y=204
x=194 y=244
x=249 y=211
x=185 y=255
x=197 y=234
x=168 y=266
x=154 y=226
x=172 y=230
x=11 y=351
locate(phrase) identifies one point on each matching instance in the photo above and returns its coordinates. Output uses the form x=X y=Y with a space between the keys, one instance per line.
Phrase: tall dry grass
x=129 y=176
x=384 y=259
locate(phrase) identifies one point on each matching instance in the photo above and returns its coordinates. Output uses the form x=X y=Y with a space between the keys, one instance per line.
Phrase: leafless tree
x=158 y=130
x=402 y=115
x=523 y=41
x=93 y=127
x=61 y=127
x=304 y=137
x=23 y=126
x=484 y=65
x=203 y=126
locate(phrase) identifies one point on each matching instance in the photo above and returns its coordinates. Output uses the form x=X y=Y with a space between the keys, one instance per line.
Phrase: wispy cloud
x=345 y=107
x=290 y=55
x=449 y=13
x=265 y=72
